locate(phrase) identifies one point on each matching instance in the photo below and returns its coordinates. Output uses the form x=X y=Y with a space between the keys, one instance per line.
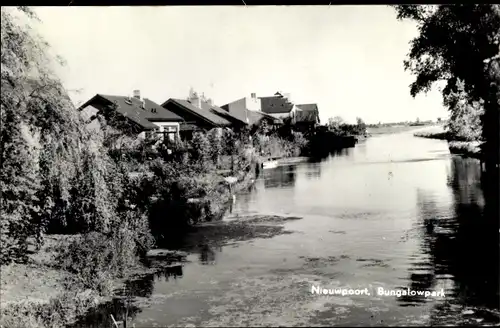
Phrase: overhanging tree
x=459 y=43
x=51 y=168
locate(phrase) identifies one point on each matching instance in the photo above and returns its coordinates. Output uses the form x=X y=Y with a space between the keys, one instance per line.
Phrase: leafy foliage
x=54 y=172
x=19 y=183
x=341 y=128
x=459 y=43
x=216 y=148
x=361 y=125
x=335 y=123
x=465 y=118
x=34 y=106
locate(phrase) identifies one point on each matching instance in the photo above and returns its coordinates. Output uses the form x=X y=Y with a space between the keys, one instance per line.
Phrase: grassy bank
x=433 y=135
x=456 y=145
x=465 y=148
x=40 y=293
x=391 y=129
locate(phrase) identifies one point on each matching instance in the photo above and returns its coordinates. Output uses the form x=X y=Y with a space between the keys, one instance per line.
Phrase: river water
x=395 y=212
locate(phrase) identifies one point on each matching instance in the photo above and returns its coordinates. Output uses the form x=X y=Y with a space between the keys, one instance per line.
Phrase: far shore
x=398 y=128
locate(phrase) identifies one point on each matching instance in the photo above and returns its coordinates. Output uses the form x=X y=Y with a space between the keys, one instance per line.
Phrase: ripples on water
x=394 y=212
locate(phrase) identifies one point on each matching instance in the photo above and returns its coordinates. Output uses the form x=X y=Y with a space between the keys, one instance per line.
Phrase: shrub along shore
x=456 y=145
x=78 y=261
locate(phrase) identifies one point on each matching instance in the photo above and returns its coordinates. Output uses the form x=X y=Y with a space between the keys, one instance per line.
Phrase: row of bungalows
x=181 y=118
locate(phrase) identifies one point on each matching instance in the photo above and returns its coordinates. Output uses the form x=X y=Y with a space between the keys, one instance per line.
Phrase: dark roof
x=254 y=117
x=204 y=114
x=159 y=113
x=227 y=115
x=188 y=127
x=275 y=105
x=308 y=107
x=306 y=116
x=134 y=111
x=307 y=113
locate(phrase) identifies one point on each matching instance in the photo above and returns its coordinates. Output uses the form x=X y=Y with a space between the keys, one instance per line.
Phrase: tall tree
x=459 y=42
x=361 y=126
x=335 y=123
x=46 y=153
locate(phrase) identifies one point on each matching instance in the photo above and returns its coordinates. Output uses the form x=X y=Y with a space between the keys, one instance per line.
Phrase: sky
x=346 y=59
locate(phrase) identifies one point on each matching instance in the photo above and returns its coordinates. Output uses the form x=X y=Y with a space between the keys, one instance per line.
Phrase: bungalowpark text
x=380 y=291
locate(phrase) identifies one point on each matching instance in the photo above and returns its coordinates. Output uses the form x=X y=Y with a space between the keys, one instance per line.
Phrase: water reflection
x=100 y=317
x=313 y=171
x=125 y=304
x=459 y=252
x=280 y=177
x=208 y=255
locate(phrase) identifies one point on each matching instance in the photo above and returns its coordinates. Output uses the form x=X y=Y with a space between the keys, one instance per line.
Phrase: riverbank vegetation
x=339 y=127
x=82 y=206
x=463 y=129
x=460 y=45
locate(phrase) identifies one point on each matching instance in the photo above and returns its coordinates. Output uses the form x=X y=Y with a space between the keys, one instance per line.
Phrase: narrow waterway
x=395 y=212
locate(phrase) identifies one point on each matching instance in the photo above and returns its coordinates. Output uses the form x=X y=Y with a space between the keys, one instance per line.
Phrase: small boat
x=270 y=164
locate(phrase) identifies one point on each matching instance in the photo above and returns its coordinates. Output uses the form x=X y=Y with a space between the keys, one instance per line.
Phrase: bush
x=216 y=148
x=464 y=123
x=434 y=135
x=19 y=182
x=471 y=149
x=176 y=195
x=95 y=259
x=58 y=312
x=200 y=148
x=275 y=146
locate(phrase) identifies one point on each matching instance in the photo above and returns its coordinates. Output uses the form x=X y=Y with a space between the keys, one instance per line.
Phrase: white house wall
x=88 y=112
x=253 y=104
x=168 y=126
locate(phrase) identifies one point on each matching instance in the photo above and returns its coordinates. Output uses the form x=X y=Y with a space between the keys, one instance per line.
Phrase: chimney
x=210 y=102
x=253 y=95
x=137 y=94
x=195 y=99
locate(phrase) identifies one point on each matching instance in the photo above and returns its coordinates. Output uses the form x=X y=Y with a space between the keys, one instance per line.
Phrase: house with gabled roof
x=200 y=114
x=246 y=111
x=306 y=117
x=197 y=115
x=144 y=115
x=275 y=109
x=279 y=106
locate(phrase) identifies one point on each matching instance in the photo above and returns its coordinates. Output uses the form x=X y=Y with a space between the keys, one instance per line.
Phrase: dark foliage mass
x=459 y=44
